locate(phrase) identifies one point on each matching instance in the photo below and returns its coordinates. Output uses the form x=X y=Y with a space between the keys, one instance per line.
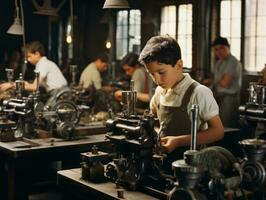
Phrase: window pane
x=128 y=33
x=249 y=53
x=237 y=12
x=255 y=35
x=185 y=33
x=225 y=28
x=261 y=26
x=235 y=46
x=225 y=10
x=261 y=8
x=230 y=24
x=168 y=21
x=250 y=26
x=134 y=31
x=121 y=33
x=261 y=55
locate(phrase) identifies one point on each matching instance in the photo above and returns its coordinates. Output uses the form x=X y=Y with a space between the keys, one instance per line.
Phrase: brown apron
x=176 y=122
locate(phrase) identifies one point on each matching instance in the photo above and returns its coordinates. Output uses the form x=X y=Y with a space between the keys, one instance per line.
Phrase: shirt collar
x=42 y=58
x=177 y=89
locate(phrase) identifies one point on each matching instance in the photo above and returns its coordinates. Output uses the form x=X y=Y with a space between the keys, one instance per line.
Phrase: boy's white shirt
x=201 y=96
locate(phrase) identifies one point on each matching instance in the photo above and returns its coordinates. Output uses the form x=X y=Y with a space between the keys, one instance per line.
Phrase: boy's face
x=129 y=70
x=101 y=66
x=33 y=58
x=164 y=75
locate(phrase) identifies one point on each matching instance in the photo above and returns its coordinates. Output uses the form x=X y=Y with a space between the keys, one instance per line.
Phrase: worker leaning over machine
x=50 y=75
x=174 y=96
x=142 y=82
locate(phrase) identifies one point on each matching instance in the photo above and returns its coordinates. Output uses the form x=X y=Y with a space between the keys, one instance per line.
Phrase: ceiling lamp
x=16 y=28
x=47 y=8
x=115 y=4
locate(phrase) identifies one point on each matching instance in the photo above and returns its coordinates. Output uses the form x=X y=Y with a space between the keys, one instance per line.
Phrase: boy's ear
x=37 y=53
x=179 y=63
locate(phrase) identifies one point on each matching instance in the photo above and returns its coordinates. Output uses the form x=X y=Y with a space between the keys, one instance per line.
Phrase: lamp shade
x=16 y=28
x=115 y=4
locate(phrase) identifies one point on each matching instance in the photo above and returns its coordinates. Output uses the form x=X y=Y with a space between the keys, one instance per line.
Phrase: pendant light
x=120 y=4
x=16 y=28
x=46 y=8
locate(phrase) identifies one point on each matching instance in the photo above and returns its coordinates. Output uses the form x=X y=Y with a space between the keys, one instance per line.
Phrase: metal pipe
x=37 y=76
x=129 y=100
x=194 y=125
x=132 y=85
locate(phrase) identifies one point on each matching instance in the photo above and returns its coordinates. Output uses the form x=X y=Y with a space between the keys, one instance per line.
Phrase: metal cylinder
x=9 y=74
x=194 y=126
x=252 y=93
x=129 y=102
x=37 y=77
x=73 y=70
x=20 y=87
x=263 y=95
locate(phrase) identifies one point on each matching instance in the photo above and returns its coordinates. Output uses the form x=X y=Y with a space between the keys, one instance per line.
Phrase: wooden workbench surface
x=30 y=147
x=70 y=180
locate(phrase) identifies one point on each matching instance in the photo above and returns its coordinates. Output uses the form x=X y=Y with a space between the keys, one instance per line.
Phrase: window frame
x=128 y=33
x=177 y=4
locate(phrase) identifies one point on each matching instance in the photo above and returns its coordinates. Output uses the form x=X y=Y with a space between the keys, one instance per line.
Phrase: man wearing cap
x=226 y=82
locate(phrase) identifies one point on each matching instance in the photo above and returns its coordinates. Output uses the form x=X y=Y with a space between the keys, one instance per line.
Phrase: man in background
x=91 y=74
x=226 y=82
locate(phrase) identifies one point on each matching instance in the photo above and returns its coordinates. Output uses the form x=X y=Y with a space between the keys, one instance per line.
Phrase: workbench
x=76 y=188
x=22 y=160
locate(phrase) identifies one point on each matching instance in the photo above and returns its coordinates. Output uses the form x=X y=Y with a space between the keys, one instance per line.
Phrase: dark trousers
x=228 y=109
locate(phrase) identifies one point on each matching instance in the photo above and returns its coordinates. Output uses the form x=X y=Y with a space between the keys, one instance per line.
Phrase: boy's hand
x=207 y=82
x=169 y=143
x=118 y=95
x=6 y=86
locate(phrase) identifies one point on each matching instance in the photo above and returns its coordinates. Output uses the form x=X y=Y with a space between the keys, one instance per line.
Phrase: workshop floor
x=45 y=191
x=46 y=196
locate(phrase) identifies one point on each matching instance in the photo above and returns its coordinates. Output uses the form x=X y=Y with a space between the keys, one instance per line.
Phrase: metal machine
x=253 y=113
x=254 y=167
x=202 y=175
x=210 y=174
x=30 y=114
x=61 y=119
x=22 y=109
x=92 y=168
x=135 y=139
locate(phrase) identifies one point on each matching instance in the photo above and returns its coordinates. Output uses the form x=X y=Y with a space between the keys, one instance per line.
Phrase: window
x=184 y=35
x=255 y=35
x=169 y=24
x=168 y=20
x=230 y=24
x=128 y=32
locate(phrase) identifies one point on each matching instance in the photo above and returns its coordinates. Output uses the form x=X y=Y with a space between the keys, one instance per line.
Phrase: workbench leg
x=17 y=184
x=3 y=180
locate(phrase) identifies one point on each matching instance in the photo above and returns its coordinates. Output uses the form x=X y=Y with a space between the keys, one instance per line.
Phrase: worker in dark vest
x=175 y=94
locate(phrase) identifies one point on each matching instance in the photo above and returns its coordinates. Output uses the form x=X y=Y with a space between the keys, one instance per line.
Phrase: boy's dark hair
x=130 y=59
x=35 y=46
x=163 y=49
x=103 y=57
x=221 y=41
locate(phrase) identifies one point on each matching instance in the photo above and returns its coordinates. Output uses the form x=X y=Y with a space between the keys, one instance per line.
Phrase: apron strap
x=188 y=94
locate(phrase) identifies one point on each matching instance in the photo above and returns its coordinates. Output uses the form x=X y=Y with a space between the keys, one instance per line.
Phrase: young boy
x=174 y=96
x=50 y=75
